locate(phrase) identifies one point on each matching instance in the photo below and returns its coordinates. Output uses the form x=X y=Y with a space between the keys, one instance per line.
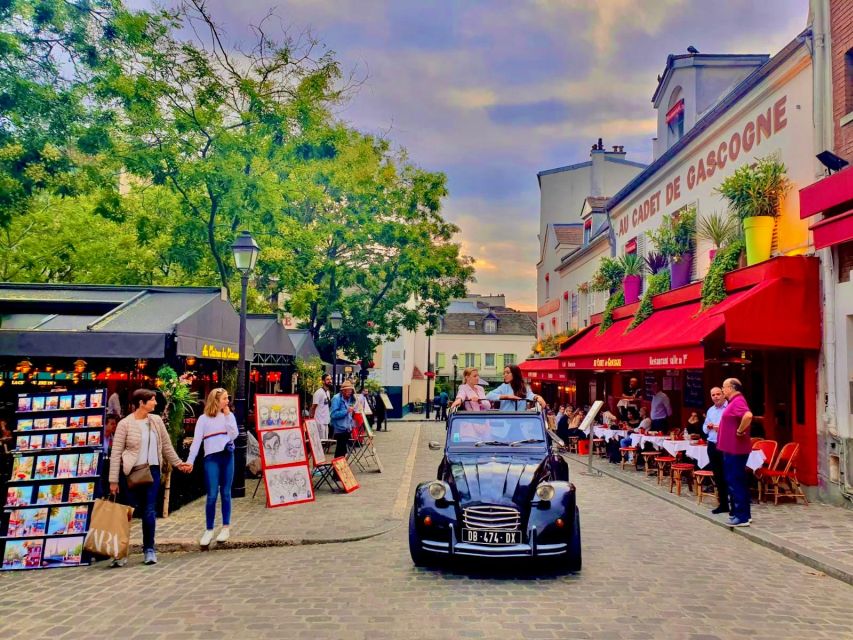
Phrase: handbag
x=140 y=475
x=109 y=529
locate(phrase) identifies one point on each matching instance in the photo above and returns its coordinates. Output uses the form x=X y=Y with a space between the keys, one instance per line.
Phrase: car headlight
x=545 y=492
x=437 y=490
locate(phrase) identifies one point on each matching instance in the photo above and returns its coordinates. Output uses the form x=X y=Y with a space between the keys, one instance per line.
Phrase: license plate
x=480 y=536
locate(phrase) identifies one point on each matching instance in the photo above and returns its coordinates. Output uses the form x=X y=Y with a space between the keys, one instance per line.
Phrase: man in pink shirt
x=735 y=444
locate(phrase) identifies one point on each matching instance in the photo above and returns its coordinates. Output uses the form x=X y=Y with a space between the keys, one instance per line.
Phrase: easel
x=360 y=449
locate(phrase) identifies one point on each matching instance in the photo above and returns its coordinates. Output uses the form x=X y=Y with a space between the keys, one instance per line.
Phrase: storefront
x=273 y=365
x=549 y=380
x=766 y=333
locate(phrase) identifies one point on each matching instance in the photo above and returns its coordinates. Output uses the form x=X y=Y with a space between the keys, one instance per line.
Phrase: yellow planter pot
x=758 y=234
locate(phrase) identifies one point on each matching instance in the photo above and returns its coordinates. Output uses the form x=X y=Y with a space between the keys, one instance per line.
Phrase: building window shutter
x=499 y=361
x=439 y=361
x=478 y=360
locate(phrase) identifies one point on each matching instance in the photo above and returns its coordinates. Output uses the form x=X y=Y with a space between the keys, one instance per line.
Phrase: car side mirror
x=434 y=446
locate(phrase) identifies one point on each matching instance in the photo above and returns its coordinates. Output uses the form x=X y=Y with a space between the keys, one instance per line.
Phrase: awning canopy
x=835 y=230
x=273 y=345
x=776 y=306
x=832 y=196
x=543 y=370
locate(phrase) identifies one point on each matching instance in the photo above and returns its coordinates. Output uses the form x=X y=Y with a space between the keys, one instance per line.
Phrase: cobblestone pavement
x=818 y=532
x=651 y=570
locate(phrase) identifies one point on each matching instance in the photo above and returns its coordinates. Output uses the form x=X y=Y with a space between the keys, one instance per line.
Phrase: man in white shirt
x=661 y=409
x=320 y=405
x=711 y=427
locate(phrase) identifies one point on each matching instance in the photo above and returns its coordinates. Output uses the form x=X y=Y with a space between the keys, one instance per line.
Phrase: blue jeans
x=219 y=472
x=734 y=465
x=145 y=500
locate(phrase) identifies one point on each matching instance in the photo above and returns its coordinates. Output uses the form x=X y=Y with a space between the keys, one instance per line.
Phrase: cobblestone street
x=651 y=570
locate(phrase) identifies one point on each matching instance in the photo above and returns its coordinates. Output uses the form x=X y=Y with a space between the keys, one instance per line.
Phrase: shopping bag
x=109 y=529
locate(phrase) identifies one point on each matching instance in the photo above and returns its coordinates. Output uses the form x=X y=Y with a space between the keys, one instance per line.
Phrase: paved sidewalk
x=818 y=535
x=332 y=517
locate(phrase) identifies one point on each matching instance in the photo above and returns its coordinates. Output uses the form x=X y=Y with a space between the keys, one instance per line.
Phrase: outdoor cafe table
x=639 y=439
x=604 y=432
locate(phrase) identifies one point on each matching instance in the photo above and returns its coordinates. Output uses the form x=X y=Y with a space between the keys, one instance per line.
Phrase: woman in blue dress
x=514 y=393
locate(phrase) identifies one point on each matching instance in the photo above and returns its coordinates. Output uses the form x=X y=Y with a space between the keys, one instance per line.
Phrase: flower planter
x=679 y=271
x=631 y=286
x=758 y=233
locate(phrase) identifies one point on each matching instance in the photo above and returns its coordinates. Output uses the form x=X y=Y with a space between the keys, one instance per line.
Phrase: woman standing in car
x=471 y=395
x=514 y=393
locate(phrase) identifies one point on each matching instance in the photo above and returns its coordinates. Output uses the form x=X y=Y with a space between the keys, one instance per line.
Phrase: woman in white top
x=217 y=430
x=514 y=392
x=471 y=394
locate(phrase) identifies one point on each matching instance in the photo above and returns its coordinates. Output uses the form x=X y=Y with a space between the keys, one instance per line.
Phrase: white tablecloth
x=639 y=439
x=674 y=446
x=604 y=432
x=756 y=459
x=699 y=452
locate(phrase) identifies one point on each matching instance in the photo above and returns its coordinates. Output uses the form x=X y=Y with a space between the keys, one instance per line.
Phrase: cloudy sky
x=493 y=91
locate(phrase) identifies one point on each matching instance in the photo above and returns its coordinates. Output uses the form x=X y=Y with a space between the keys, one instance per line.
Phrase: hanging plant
x=616 y=300
x=608 y=277
x=583 y=287
x=714 y=285
x=656 y=284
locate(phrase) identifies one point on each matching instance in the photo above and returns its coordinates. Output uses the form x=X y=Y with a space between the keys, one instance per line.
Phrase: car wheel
x=573 y=557
x=419 y=556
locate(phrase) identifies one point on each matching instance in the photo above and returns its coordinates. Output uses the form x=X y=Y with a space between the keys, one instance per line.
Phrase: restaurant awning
x=273 y=345
x=757 y=314
x=832 y=196
x=543 y=370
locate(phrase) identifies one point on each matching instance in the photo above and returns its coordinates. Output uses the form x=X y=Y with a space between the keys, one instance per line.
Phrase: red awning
x=543 y=369
x=835 y=230
x=672 y=338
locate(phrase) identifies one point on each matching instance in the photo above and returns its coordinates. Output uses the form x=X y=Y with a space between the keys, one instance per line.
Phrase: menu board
x=694 y=390
x=54 y=480
x=649 y=380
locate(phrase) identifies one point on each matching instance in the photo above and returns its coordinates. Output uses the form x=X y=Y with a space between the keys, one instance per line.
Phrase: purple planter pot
x=631 y=286
x=679 y=272
x=712 y=253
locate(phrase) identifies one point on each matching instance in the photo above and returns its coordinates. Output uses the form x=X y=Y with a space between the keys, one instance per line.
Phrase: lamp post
x=336 y=319
x=455 y=360
x=246 y=252
x=428 y=371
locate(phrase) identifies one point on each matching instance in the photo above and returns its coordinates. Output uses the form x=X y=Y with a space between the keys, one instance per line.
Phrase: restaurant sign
x=686 y=358
x=212 y=351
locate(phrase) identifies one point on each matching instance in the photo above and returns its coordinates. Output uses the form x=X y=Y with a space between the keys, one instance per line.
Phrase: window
x=848 y=81
x=547 y=287
x=574 y=310
x=590 y=304
x=675 y=117
x=472 y=324
x=490 y=361
x=490 y=326
x=509 y=358
x=439 y=361
x=469 y=360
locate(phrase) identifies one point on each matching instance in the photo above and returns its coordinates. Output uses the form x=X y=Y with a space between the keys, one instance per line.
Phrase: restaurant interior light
x=246 y=252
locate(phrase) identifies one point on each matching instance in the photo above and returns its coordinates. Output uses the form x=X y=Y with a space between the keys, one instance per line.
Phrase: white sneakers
x=207 y=536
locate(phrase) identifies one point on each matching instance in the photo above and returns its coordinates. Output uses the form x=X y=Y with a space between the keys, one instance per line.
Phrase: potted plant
x=632 y=279
x=608 y=277
x=655 y=262
x=675 y=239
x=754 y=193
x=719 y=228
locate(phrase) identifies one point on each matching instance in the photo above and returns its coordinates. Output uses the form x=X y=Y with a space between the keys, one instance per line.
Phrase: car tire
x=573 y=557
x=419 y=556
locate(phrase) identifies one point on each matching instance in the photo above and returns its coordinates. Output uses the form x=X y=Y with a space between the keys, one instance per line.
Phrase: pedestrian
x=7 y=444
x=320 y=405
x=444 y=401
x=110 y=423
x=711 y=428
x=362 y=406
x=380 y=411
x=217 y=429
x=661 y=409
x=114 y=404
x=140 y=441
x=471 y=396
x=514 y=391
x=342 y=410
x=735 y=444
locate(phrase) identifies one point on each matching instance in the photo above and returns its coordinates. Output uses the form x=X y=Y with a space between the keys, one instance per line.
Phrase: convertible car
x=502 y=491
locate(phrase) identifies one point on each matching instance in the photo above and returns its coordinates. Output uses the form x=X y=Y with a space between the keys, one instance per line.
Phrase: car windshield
x=497 y=431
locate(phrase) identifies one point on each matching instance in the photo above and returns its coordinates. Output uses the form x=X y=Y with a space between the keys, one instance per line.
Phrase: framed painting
x=281 y=447
x=288 y=485
x=276 y=411
x=345 y=474
x=315 y=441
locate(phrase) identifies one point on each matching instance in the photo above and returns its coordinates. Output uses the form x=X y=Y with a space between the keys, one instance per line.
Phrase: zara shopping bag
x=109 y=530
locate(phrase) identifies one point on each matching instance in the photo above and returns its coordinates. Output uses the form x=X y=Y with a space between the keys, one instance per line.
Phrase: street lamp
x=429 y=369
x=246 y=252
x=336 y=319
x=455 y=361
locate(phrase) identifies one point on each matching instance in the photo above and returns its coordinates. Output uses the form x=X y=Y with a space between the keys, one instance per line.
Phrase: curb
x=176 y=545
x=789 y=549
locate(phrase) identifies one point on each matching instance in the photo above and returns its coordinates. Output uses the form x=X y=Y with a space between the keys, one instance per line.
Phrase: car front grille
x=491 y=517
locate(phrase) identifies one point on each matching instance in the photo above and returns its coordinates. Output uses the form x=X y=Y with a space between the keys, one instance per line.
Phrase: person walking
x=711 y=429
x=217 y=430
x=320 y=405
x=380 y=410
x=342 y=410
x=140 y=441
x=444 y=399
x=735 y=444
x=661 y=409
x=514 y=391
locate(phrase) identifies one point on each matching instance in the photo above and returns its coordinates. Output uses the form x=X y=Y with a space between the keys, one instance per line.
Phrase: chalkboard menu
x=648 y=380
x=694 y=388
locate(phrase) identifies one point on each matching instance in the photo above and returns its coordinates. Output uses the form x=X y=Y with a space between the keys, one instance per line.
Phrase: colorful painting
x=68 y=519
x=41 y=423
x=65 y=440
x=282 y=446
x=315 y=441
x=276 y=411
x=94 y=439
x=66 y=402
x=36 y=442
x=22 y=443
x=18 y=496
x=45 y=467
x=51 y=441
x=88 y=465
x=22 y=554
x=22 y=468
x=66 y=552
x=80 y=439
x=81 y=401
x=96 y=399
x=24 y=403
x=95 y=421
x=67 y=467
x=26 y=523
x=49 y=493
x=59 y=422
x=76 y=421
x=51 y=403
x=38 y=403
x=25 y=425
x=81 y=491
x=345 y=474
x=288 y=485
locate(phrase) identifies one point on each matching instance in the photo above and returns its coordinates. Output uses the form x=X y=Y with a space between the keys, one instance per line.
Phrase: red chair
x=783 y=472
x=680 y=471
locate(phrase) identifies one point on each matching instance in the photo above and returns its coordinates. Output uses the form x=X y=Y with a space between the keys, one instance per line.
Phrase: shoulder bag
x=140 y=475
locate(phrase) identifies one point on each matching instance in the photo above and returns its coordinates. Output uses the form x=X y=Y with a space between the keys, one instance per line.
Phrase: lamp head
x=246 y=252
x=336 y=319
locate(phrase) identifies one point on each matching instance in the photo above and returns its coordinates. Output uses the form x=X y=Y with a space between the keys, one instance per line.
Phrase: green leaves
x=757 y=189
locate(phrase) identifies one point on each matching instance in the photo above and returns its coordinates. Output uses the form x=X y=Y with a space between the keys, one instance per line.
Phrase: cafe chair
x=781 y=481
x=624 y=452
x=650 y=462
x=768 y=448
x=680 y=471
x=598 y=447
x=701 y=477
x=573 y=444
x=664 y=463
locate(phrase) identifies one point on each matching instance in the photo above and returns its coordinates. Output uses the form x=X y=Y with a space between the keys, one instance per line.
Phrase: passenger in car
x=471 y=394
x=513 y=394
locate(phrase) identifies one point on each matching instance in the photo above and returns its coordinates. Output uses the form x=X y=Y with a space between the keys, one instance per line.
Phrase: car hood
x=492 y=478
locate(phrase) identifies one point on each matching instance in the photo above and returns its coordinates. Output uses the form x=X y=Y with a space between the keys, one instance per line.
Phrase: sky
x=490 y=92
